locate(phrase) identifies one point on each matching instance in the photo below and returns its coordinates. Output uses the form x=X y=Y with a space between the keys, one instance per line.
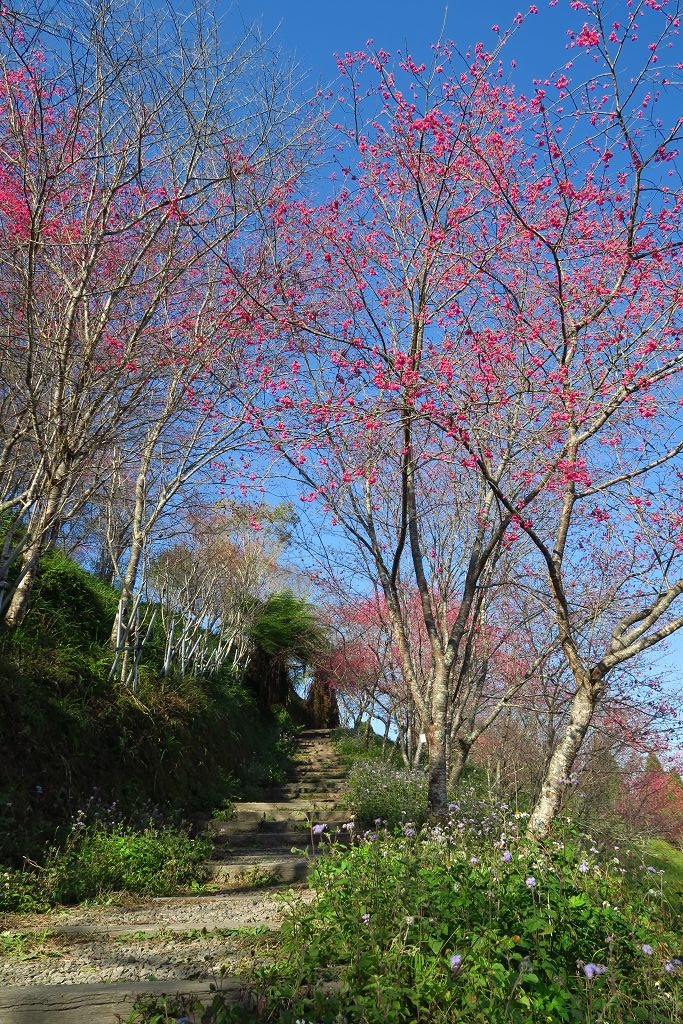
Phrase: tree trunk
x=460 y=749
x=438 y=771
x=43 y=535
x=121 y=629
x=562 y=761
x=19 y=602
x=368 y=729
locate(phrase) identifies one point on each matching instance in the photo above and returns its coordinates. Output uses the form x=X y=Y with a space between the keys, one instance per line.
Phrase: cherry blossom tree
x=136 y=157
x=485 y=335
x=578 y=389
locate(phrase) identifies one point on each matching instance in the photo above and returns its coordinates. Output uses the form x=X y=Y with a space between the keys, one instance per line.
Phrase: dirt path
x=85 y=964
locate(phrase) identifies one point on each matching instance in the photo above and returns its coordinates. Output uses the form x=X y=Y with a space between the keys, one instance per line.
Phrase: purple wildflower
x=456 y=962
x=583 y=867
x=507 y=856
x=531 y=882
x=591 y=970
x=318 y=830
x=365 y=919
x=647 y=949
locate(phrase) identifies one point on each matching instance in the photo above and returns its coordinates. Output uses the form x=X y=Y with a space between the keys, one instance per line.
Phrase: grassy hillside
x=71 y=736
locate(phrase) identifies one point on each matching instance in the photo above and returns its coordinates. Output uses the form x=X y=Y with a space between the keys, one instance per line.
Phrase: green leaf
x=536 y=924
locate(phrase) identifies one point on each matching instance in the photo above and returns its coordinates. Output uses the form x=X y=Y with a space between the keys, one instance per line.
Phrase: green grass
x=17 y=945
x=665 y=857
x=352 y=747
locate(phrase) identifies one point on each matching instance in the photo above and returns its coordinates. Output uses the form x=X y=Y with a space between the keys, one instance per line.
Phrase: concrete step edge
x=86 y=1004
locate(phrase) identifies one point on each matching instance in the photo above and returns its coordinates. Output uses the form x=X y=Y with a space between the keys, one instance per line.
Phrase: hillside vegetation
x=76 y=741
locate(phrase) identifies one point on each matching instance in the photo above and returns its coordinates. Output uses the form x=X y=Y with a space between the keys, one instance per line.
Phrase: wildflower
x=591 y=970
x=318 y=830
x=670 y=967
x=583 y=867
x=378 y=821
x=507 y=856
x=409 y=832
x=474 y=860
x=453 y=807
x=647 y=949
x=365 y=919
x=456 y=962
x=531 y=882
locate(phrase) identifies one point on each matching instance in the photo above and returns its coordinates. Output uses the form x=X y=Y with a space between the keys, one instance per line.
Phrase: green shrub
x=377 y=791
x=97 y=860
x=359 y=746
x=21 y=892
x=441 y=924
x=185 y=1008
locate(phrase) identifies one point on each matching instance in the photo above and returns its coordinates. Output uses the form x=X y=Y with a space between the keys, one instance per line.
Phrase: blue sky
x=313 y=31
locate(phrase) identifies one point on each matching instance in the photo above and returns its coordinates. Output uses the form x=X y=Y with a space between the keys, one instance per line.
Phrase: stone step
x=251 y=868
x=319 y=765
x=297 y=791
x=296 y=810
x=152 y=928
x=260 y=842
x=315 y=777
x=263 y=840
x=334 y=819
x=254 y=827
x=253 y=848
x=97 y=1004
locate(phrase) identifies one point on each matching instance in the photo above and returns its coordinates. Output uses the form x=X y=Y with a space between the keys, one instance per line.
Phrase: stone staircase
x=252 y=850
x=256 y=844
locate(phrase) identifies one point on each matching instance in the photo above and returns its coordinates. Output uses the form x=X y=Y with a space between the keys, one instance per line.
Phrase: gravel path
x=195 y=938
x=190 y=937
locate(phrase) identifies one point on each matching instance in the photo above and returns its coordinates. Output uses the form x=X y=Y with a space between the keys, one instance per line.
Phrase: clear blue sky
x=312 y=31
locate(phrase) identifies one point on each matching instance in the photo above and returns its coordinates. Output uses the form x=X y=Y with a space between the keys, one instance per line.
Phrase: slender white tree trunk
x=42 y=532
x=562 y=761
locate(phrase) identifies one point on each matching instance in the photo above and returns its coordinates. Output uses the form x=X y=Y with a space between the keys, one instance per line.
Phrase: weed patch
x=467 y=921
x=96 y=860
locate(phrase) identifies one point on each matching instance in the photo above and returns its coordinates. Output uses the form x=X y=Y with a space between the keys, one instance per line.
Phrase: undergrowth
x=469 y=922
x=94 y=860
x=71 y=735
